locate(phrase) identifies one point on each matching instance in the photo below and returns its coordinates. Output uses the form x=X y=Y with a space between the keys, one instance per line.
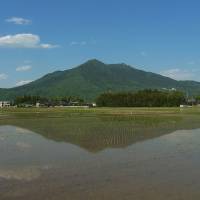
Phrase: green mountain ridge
x=95 y=77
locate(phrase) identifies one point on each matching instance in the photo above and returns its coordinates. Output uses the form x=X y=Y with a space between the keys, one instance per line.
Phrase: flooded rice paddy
x=110 y=155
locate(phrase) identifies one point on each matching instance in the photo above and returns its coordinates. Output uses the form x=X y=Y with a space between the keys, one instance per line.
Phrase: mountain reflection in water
x=107 y=157
x=98 y=133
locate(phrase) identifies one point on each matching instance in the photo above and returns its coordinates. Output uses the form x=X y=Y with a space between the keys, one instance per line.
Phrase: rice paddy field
x=99 y=153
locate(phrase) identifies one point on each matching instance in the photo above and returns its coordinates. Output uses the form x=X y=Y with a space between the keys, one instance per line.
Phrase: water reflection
x=98 y=133
x=99 y=158
x=34 y=167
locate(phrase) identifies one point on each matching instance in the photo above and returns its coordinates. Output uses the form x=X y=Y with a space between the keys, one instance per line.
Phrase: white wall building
x=4 y=104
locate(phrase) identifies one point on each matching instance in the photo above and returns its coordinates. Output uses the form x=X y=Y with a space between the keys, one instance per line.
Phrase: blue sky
x=42 y=36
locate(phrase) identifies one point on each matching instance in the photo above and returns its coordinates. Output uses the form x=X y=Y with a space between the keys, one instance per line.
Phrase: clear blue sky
x=41 y=36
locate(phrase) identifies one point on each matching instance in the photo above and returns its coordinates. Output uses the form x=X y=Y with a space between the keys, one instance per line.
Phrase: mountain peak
x=94 y=62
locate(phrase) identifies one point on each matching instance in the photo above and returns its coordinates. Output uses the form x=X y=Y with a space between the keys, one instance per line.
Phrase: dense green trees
x=55 y=101
x=26 y=99
x=144 y=98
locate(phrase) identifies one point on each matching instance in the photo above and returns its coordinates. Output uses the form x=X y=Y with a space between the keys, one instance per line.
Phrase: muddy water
x=36 y=166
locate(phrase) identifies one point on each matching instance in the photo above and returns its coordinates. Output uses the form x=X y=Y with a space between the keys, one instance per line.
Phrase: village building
x=4 y=104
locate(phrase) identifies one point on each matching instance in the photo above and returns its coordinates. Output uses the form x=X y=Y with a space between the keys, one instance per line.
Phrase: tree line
x=144 y=98
x=54 y=101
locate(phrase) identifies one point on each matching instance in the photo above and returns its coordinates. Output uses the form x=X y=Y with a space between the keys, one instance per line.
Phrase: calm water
x=83 y=158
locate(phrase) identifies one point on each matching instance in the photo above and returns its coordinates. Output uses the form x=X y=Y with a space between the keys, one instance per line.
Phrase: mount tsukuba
x=93 y=78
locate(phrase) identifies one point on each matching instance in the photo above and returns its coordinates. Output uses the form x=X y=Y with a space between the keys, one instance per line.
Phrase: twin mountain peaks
x=95 y=77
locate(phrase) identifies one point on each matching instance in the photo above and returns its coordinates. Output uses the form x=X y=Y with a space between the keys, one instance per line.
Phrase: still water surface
x=98 y=159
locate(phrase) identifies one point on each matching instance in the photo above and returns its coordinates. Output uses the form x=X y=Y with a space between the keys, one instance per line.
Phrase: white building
x=37 y=105
x=94 y=105
x=4 y=104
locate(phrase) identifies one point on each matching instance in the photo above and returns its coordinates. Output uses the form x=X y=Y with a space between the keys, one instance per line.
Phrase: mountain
x=94 y=77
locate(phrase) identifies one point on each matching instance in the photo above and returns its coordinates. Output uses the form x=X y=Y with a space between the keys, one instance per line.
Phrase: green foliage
x=27 y=99
x=54 y=101
x=145 y=98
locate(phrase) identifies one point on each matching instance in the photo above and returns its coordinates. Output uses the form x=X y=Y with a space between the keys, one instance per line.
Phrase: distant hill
x=94 y=77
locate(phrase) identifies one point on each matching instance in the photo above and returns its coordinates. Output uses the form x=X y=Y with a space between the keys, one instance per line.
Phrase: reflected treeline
x=98 y=132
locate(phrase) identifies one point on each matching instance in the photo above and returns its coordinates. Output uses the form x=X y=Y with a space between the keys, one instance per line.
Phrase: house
x=185 y=106
x=4 y=104
x=94 y=105
x=191 y=101
x=74 y=103
x=38 y=105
